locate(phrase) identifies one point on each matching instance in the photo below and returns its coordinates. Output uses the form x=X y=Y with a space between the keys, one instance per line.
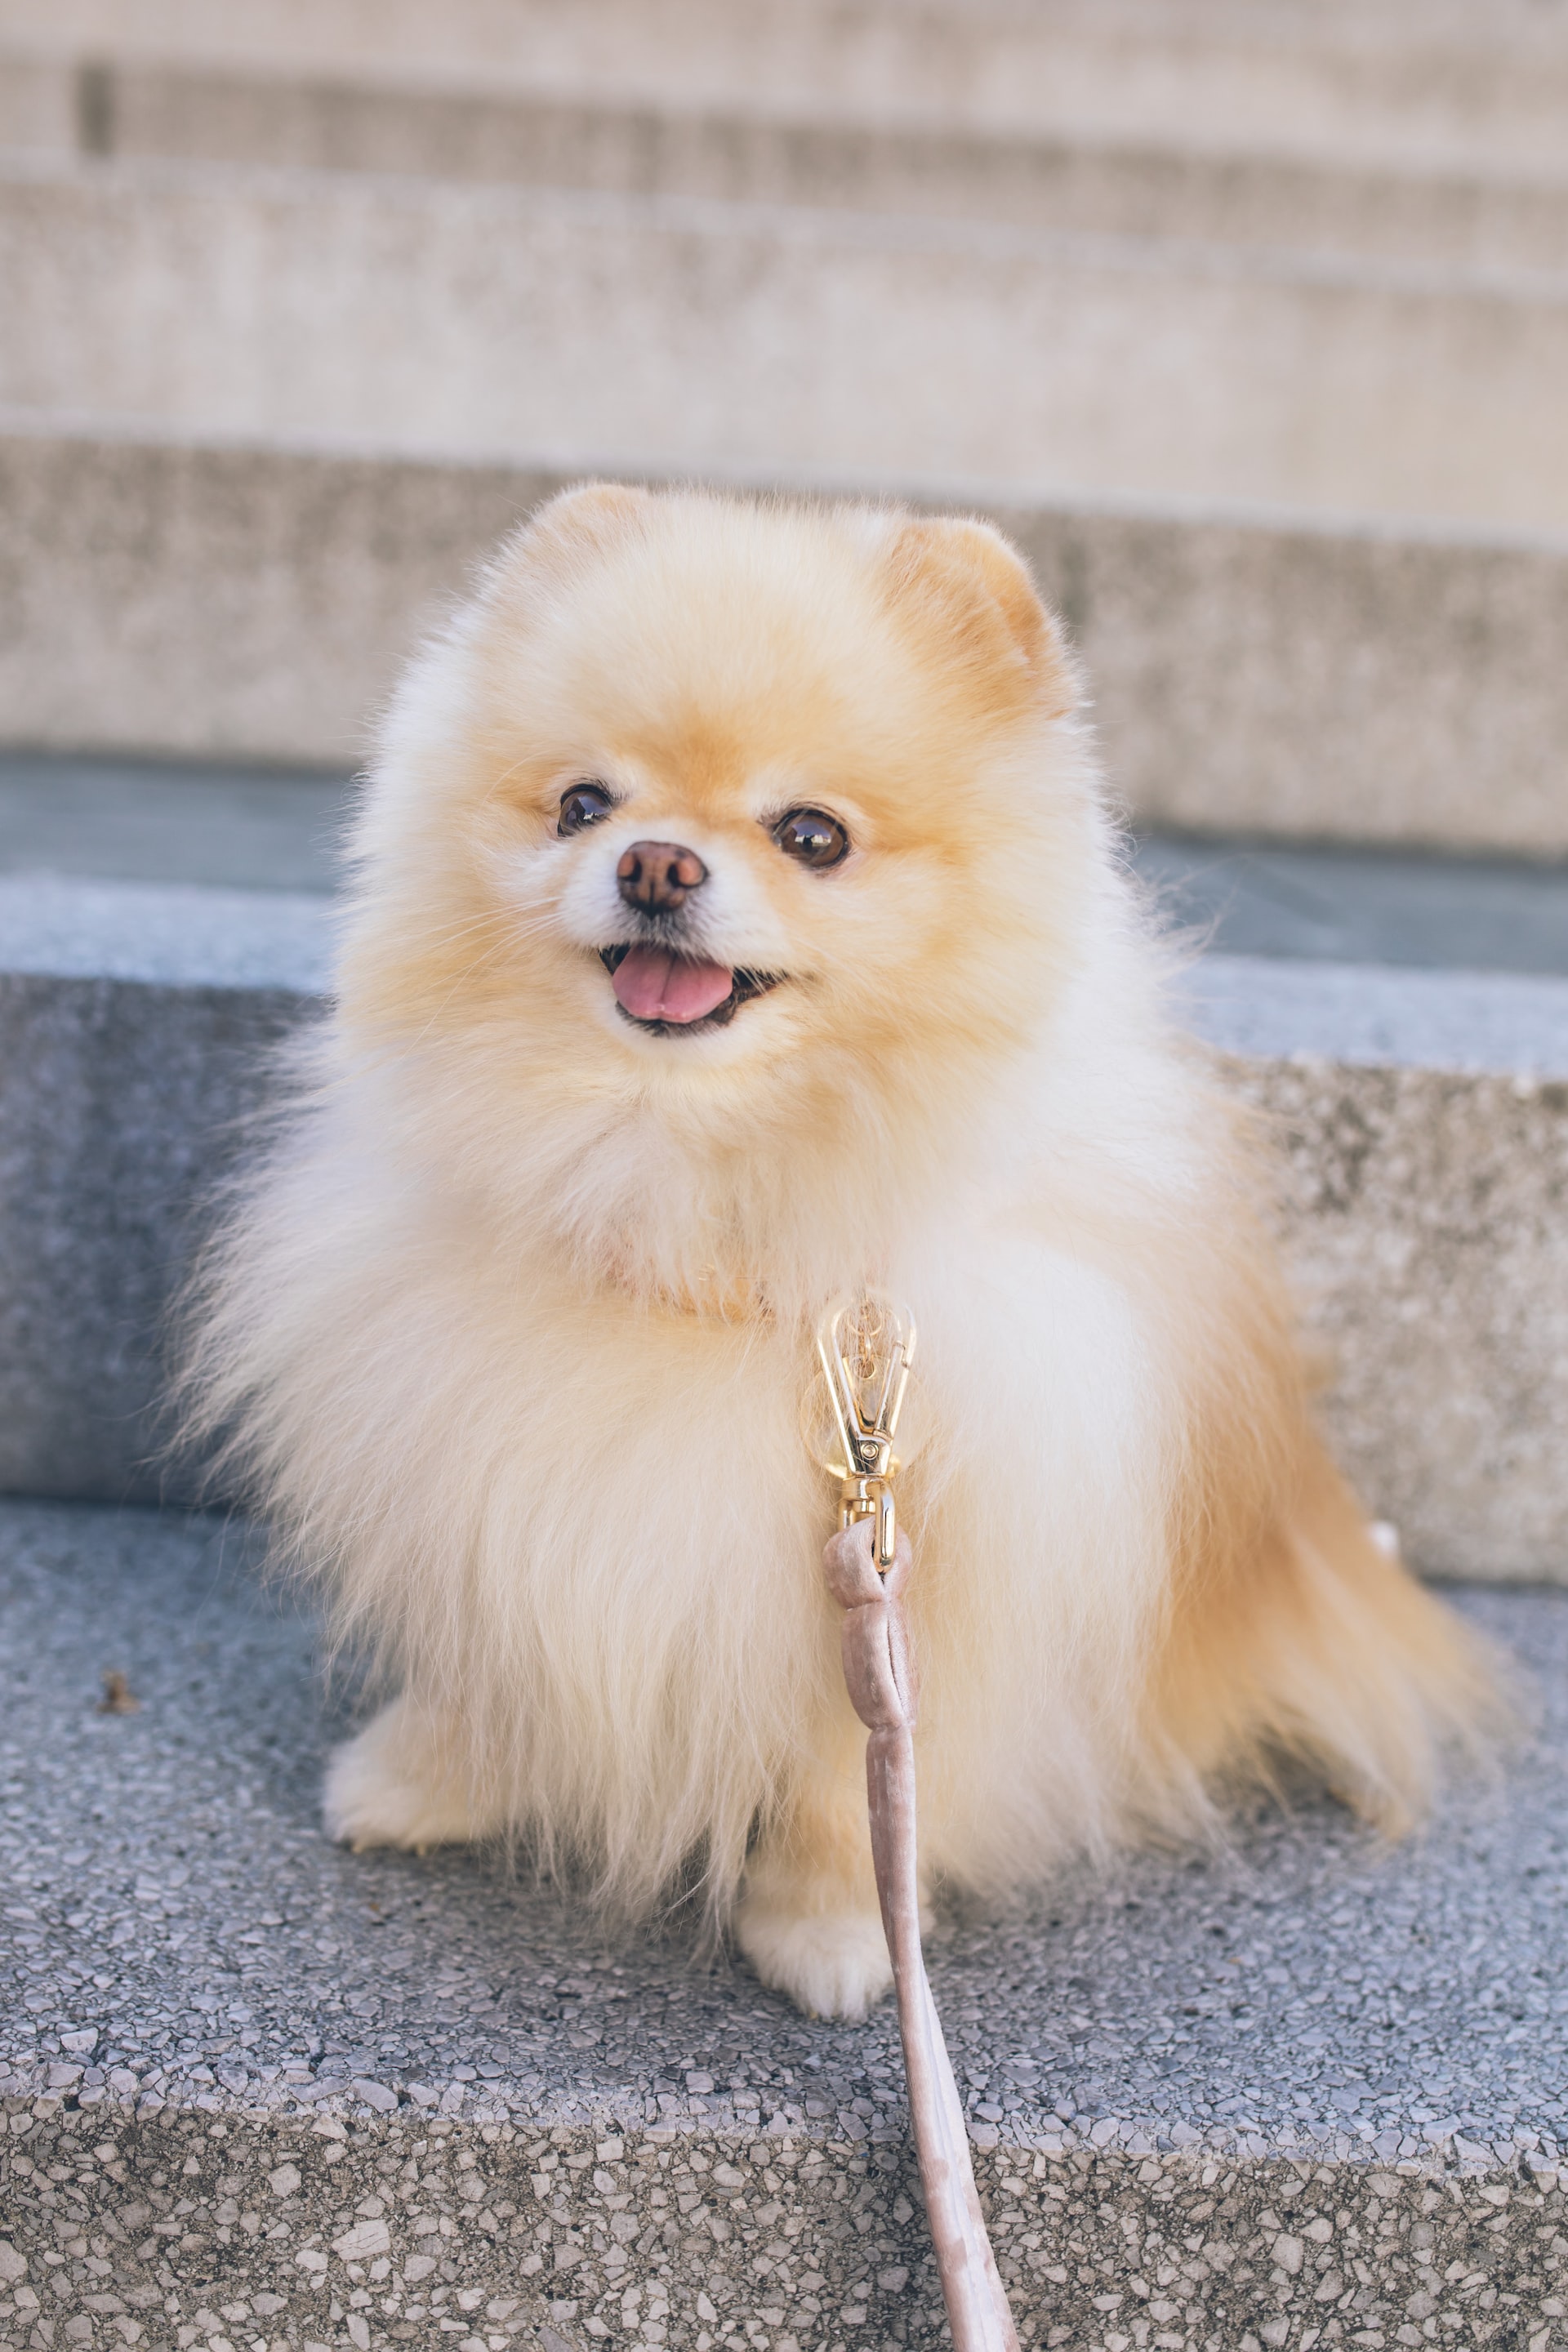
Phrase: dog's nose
x=660 y=876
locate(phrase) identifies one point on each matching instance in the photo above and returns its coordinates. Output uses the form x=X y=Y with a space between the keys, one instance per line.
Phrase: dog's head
x=729 y=817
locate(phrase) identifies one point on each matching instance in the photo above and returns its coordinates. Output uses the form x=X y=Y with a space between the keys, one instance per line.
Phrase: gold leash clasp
x=866 y=1347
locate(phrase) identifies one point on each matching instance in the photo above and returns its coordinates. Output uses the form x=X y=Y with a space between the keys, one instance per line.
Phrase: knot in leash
x=879 y=1665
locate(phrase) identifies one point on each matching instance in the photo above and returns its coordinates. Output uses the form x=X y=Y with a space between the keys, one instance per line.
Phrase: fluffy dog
x=736 y=919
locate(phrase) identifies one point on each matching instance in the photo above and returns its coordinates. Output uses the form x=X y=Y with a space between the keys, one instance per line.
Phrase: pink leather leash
x=879 y=1667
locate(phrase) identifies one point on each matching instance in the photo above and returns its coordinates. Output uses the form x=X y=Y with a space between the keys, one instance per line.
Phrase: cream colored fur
x=514 y=1323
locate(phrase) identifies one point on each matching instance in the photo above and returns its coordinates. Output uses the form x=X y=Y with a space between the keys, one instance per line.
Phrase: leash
x=866 y=1350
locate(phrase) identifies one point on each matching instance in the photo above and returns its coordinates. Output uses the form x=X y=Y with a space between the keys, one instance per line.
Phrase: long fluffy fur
x=512 y=1326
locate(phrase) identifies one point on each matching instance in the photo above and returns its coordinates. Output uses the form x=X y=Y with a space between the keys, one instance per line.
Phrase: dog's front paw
x=831 y=1963
x=391 y=1785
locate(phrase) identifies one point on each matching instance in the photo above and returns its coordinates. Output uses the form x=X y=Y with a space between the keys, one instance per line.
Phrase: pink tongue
x=654 y=985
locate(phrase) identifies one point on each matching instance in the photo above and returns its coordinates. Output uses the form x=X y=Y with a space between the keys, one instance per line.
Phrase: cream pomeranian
x=736 y=921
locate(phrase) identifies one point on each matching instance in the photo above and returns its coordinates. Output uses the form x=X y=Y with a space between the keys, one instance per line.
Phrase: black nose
x=660 y=876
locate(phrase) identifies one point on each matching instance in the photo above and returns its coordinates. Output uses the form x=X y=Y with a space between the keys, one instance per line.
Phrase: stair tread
x=164 y=822
x=1207 y=2090
x=1393 y=1999
x=1317 y=904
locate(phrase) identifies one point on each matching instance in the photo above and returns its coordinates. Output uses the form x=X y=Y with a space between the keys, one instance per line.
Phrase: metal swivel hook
x=866 y=1347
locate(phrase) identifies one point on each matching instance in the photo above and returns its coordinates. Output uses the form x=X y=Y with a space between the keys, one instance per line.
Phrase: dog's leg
x=809 y=1919
x=400 y=1782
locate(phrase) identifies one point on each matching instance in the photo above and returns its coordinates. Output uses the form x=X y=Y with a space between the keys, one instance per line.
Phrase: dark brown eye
x=582 y=805
x=814 y=837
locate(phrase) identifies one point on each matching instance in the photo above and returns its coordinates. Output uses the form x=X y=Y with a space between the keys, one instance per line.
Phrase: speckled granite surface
x=261 y=2091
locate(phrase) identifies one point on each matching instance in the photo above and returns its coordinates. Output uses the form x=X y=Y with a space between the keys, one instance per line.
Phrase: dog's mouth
x=670 y=995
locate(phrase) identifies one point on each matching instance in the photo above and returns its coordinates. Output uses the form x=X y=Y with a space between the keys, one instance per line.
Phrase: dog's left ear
x=562 y=541
x=972 y=587
x=590 y=517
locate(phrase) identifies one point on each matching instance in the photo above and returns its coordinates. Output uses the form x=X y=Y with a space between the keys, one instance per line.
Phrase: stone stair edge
x=333 y=2099
x=77 y=114
x=1449 y=1022
x=935 y=490
x=164 y=935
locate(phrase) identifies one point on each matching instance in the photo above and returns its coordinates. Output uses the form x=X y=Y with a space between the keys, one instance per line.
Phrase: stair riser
x=256 y=603
x=844 y=2210
x=1422 y=1217
x=122 y=1103
x=1047 y=183
x=696 y=334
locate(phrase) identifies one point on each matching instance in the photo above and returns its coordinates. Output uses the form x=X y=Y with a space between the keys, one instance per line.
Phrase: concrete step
x=1427 y=86
x=1056 y=180
x=261 y=2092
x=692 y=333
x=1252 y=674
x=1422 y=1117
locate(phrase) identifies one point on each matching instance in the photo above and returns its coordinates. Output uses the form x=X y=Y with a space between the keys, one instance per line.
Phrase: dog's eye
x=814 y=837
x=583 y=804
